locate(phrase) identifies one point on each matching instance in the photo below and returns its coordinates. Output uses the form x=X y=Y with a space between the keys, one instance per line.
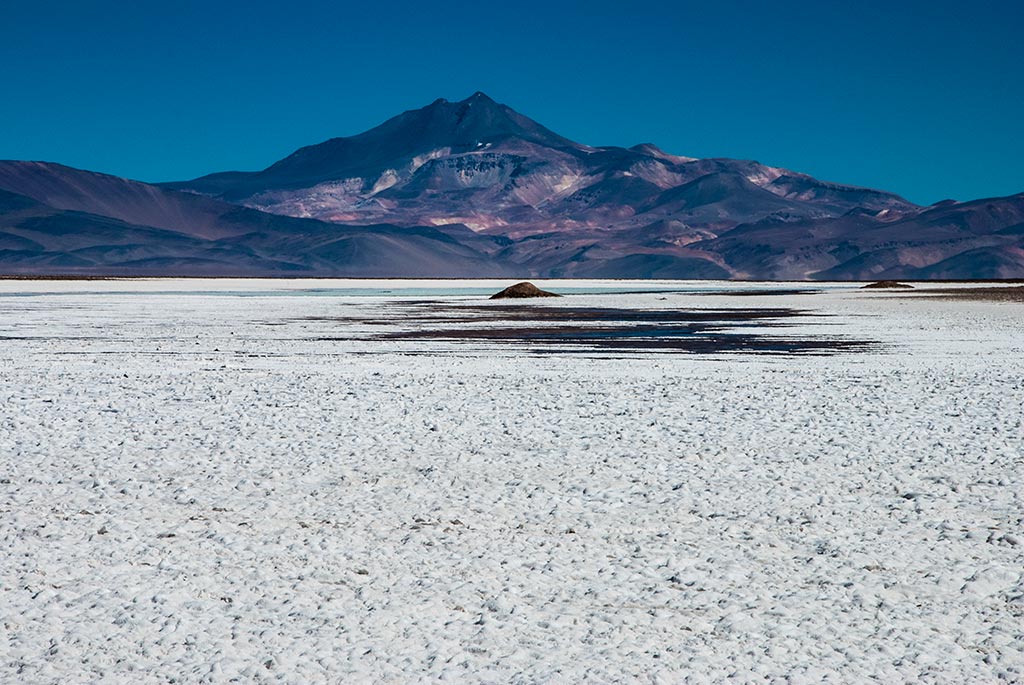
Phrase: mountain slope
x=55 y=219
x=859 y=247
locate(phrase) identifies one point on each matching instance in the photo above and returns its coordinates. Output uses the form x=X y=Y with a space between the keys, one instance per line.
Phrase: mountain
x=55 y=219
x=473 y=188
x=482 y=164
x=399 y=146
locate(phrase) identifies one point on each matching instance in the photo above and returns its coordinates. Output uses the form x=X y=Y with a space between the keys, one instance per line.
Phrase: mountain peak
x=477 y=98
x=463 y=126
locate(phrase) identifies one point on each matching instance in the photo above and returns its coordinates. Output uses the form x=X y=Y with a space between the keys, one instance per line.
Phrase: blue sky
x=924 y=99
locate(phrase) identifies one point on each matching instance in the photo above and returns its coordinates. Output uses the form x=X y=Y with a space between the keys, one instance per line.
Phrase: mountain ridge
x=472 y=188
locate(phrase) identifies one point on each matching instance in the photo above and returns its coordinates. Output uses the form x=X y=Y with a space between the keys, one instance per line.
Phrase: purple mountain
x=474 y=188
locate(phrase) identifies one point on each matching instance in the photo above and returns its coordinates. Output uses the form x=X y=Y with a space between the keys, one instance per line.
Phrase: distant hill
x=54 y=219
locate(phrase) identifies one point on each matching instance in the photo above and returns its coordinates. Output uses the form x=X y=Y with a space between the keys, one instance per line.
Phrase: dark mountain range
x=959 y=241
x=473 y=188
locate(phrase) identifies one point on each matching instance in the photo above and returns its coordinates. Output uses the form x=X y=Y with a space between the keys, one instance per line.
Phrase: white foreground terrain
x=248 y=481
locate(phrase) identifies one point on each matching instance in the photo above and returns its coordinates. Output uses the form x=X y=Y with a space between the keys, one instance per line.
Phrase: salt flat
x=214 y=481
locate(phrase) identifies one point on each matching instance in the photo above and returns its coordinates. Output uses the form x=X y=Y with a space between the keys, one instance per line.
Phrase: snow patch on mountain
x=322 y=200
x=386 y=180
x=763 y=176
x=420 y=160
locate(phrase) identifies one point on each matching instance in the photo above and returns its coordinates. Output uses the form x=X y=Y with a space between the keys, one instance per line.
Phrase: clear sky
x=922 y=98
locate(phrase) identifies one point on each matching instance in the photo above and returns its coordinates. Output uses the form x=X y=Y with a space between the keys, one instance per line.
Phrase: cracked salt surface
x=189 y=493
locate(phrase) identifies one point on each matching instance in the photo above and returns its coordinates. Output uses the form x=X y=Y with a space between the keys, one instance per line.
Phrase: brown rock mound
x=524 y=289
x=887 y=284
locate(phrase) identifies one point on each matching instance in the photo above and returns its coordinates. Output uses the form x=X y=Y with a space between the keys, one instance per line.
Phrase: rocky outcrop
x=520 y=290
x=880 y=285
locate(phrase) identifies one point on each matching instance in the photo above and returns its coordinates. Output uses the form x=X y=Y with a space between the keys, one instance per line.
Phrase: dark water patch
x=437 y=312
x=667 y=339
x=995 y=294
x=538 y=328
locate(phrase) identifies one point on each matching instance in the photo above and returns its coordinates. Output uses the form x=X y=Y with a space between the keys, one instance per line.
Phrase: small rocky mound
x=887 y=284
x=524 y=289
